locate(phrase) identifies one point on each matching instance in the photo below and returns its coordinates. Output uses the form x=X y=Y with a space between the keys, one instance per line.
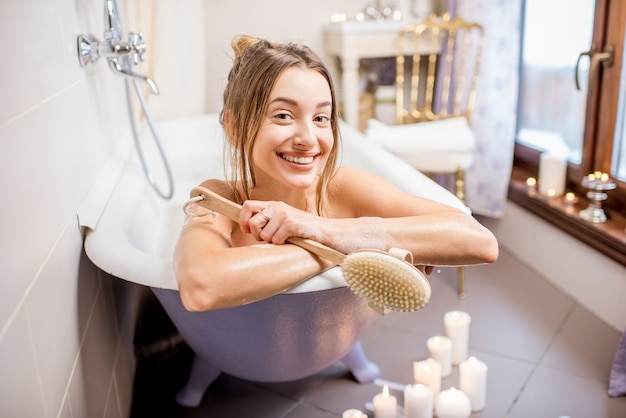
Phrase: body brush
x=389 y=281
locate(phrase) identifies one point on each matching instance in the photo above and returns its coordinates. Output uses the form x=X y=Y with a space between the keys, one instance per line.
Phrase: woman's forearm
x=241 y=275
x=437 y=239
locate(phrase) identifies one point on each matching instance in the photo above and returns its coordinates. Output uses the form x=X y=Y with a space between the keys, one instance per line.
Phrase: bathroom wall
x=65 y=328
x=193 y=70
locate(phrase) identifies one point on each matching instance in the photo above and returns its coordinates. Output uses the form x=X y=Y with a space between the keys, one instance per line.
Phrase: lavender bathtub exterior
x=285 y=337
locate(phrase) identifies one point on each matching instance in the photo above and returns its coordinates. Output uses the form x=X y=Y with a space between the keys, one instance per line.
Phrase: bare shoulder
x=365 y=194
x=353 y=192
x=220 y=187
x=353 y=180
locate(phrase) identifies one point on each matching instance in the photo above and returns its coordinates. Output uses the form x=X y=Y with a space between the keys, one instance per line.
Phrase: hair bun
x=243 y=42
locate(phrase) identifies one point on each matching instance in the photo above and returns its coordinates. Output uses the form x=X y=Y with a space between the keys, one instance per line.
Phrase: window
x=568 y=43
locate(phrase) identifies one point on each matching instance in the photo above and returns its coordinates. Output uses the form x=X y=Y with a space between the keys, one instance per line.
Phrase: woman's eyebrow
x=295 y=103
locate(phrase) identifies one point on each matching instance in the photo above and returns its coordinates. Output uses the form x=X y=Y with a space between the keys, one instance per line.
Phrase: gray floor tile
x=552 y=393
x=585 y=347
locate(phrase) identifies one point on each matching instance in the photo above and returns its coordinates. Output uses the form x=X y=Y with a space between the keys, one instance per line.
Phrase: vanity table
x=349 y=41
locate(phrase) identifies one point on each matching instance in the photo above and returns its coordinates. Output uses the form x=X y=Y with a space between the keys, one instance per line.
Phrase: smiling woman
x=299 y=108
x=281 y=124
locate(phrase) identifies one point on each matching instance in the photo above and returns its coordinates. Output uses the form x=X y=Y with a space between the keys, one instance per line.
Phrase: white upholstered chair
x=436 y=77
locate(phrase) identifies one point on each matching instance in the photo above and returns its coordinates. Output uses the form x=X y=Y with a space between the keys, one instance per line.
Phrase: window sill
x=608 y=238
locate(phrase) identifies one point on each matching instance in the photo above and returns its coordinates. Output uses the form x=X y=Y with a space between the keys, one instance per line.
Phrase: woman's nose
x=305 y=135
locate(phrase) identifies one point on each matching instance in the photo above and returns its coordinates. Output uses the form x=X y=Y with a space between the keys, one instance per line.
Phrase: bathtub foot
x=363 y=370
x=201 y=376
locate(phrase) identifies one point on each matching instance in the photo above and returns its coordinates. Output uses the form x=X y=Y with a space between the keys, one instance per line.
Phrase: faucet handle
x=137 y=42
x=87 y=46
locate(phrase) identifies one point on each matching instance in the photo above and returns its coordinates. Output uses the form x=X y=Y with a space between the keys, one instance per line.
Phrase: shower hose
x=146 y=112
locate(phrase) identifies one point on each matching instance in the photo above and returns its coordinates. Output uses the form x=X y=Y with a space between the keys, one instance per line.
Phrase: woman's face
x=295 y=136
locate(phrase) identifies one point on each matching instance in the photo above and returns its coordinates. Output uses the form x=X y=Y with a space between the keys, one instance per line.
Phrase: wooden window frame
x=609 y=238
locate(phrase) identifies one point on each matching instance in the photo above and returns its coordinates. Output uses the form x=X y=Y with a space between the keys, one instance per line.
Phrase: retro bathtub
x=285 y=337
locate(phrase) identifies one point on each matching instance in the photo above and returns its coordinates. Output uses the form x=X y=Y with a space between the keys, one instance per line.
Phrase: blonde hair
x=256 y=66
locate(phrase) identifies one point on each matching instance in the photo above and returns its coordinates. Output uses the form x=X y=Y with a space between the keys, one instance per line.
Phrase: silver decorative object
x=598 y=183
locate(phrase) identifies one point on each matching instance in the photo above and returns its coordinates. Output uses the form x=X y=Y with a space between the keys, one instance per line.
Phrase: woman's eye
x=322 y=119
x=282 y=116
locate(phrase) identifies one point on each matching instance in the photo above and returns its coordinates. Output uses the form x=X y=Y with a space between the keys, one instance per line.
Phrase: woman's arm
x=369 y=212
x=435 y=233
x=212 y=274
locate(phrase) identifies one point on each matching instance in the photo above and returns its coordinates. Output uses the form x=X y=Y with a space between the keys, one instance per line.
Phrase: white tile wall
x=63 y=350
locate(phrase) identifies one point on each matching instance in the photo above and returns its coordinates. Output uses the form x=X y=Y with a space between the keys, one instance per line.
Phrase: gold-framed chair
x=437 y=67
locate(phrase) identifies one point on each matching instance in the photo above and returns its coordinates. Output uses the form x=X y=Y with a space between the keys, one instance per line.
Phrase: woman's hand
x=274 y=222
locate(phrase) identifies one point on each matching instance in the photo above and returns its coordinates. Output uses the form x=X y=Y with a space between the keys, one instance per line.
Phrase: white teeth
x=298 y=160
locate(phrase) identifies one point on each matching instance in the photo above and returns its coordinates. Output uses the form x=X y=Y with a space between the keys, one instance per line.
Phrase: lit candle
x=385 y=405
x=570 y=198
x=453 y=403
x=531 y=182
x=552 y=171
x=353 y=413
x=428 y=372
x=418 y=401
x=457 y=324
x=440 y=349
x=473 y=381
x=604 y=177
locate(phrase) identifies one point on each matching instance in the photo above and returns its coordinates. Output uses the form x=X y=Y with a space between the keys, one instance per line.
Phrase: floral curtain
x=494 y=116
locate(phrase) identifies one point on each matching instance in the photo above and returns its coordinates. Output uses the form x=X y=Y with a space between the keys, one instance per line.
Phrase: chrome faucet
x=122 y=55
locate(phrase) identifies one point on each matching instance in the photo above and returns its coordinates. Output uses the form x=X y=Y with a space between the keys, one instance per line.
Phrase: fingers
x=249 y=218
x=264 y=216
x=255 y=219
x=274 y=222
x=258 y=223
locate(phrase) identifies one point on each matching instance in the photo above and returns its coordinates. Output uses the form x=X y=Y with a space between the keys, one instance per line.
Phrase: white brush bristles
x=386 y=281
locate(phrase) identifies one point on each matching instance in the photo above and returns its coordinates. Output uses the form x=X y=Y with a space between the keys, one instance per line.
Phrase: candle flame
x=386 y=390
x=591 y=177
x=604 y=177
x=597 y=174
x=531 y=182
x=472 y=360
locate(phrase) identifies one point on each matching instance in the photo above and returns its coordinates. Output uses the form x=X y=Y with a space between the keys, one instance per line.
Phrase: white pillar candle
x=385 y=405
x=453 y=403
x=552 y=174
x=473 y=381
x=353 y=413
x=418 y=401
x=428 y=372
x=456 y=324
x=440 y=349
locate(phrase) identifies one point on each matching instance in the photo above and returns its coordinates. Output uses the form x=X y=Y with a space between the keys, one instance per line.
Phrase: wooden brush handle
x=230 y=209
